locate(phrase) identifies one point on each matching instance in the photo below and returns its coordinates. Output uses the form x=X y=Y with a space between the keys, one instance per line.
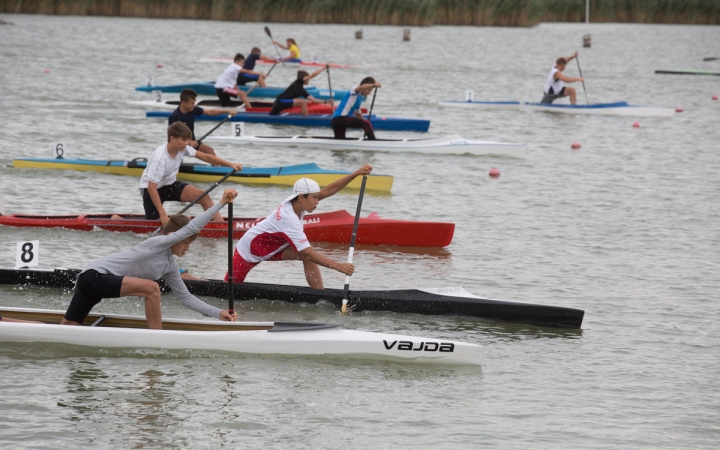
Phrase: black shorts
x=246 y=78
x=224 y=97
x=171 y=192
x=281 y=104
x=91 y=287
x=552 y=96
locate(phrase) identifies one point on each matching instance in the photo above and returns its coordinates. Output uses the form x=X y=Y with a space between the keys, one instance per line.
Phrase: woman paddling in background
x=294 y=50
x=133 y=272
x=554 y=88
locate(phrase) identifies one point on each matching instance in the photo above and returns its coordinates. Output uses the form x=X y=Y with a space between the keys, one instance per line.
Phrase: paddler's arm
x=312 y=255
x=567 y=79
x=318 y=101
x=218 y=112
x=155 y=197
x=368 y=86
x=212 y=159
x=195 y=225
x=332 y=188
x=314 y=74
x=190 y=301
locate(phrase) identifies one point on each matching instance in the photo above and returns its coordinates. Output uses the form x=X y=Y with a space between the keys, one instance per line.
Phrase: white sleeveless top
x=551 y=82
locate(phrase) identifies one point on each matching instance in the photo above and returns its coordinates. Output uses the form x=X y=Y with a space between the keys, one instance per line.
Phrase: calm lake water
x=627 y=229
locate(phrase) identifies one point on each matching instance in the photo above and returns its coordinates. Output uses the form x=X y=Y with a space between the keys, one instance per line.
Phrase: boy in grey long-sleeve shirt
x=133 y=273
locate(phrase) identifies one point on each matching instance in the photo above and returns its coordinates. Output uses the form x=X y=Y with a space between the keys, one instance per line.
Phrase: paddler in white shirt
x=280 y=237
x=554 y=88
x=228 y=81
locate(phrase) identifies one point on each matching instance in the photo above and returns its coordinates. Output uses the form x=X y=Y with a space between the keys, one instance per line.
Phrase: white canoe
x=604 y=109
x=447 y=145
x=267 y=338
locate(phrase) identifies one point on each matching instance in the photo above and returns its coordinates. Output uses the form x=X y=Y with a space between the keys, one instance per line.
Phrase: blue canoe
x=208 y=88
x=314 y=120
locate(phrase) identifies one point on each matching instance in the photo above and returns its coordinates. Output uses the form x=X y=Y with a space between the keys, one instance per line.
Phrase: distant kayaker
x=348 y=114
x=158 y=183
x=293 y=47
x=247 y=73
x=186 y=113
x=280 y=237
x=554 y=88
x=226 y=85
x=291 y=96
x=133 y=272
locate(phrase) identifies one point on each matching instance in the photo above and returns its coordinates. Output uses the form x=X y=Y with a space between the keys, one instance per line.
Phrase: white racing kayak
x=603 y=109
x=281 y=338
x=447 y=145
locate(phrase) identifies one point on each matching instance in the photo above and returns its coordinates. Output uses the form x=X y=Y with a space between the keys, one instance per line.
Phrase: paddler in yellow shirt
x=294 y=50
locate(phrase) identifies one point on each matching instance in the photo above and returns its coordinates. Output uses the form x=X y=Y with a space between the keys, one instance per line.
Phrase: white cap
x=303 y=186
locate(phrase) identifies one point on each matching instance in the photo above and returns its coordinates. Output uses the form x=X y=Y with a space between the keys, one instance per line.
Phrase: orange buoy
x=159 y=65
x=46 y=70
x=679 y=109
x=494 y=172
x=636 y=125
x=575 y=146
x=714 y=97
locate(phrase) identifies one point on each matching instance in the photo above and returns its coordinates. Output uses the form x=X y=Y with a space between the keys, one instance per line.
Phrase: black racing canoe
x=443 y=301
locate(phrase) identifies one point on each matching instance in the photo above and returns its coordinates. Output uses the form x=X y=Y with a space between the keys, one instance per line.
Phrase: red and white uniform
x=267 y=240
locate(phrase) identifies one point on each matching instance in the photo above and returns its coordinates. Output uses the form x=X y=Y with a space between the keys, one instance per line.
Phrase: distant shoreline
x=516 y=13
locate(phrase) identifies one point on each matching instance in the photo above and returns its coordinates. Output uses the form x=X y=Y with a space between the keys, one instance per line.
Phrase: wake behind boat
x=283 y=175
x=447 y=145
x=435 y=301
x=260 y=338
x=604 y=109
x=333 y=227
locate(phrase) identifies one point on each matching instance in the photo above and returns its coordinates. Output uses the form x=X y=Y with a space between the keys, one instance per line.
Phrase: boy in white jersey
x=348 y=113
x=554 y=88
x=281 y=236
x=226 y=84
x=158 y=183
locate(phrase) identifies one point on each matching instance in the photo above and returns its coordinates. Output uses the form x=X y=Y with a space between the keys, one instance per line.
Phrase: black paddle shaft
x=216 y=184
x=199 y=141
x=258 y=83
x=354 y=231
x=372 y=104
x=577 y=60
x=267 y=31
x=231 y=293
x=329 y=83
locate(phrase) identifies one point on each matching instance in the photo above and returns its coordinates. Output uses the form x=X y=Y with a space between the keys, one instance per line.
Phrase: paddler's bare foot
x=116 y=217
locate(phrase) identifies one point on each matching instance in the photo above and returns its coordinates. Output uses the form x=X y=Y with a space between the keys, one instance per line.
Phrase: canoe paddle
x=267 y=31
x=372 y=104
x=329 y=84
x=577 y=60
x=256 y=84
x=352 y=244
x=199 y=141
x=231 y=294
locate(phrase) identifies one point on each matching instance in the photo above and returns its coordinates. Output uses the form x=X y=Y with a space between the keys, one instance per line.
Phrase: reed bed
x=387 y=12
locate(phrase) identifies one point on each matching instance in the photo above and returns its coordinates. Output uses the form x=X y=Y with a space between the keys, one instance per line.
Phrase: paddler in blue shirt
x=348 y=113
x=247 y=73
x=554 y=88
x=186 y=113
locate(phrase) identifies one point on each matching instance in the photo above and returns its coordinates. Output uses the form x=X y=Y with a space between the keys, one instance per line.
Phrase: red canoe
x=334 y=227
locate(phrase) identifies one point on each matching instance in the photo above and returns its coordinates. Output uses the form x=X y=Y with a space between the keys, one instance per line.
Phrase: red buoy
x=636 y=125
x=575 y=146
x=494 y=172
x=46 y=70
x=679 y=109
x=159 y=65
x=714 y=97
